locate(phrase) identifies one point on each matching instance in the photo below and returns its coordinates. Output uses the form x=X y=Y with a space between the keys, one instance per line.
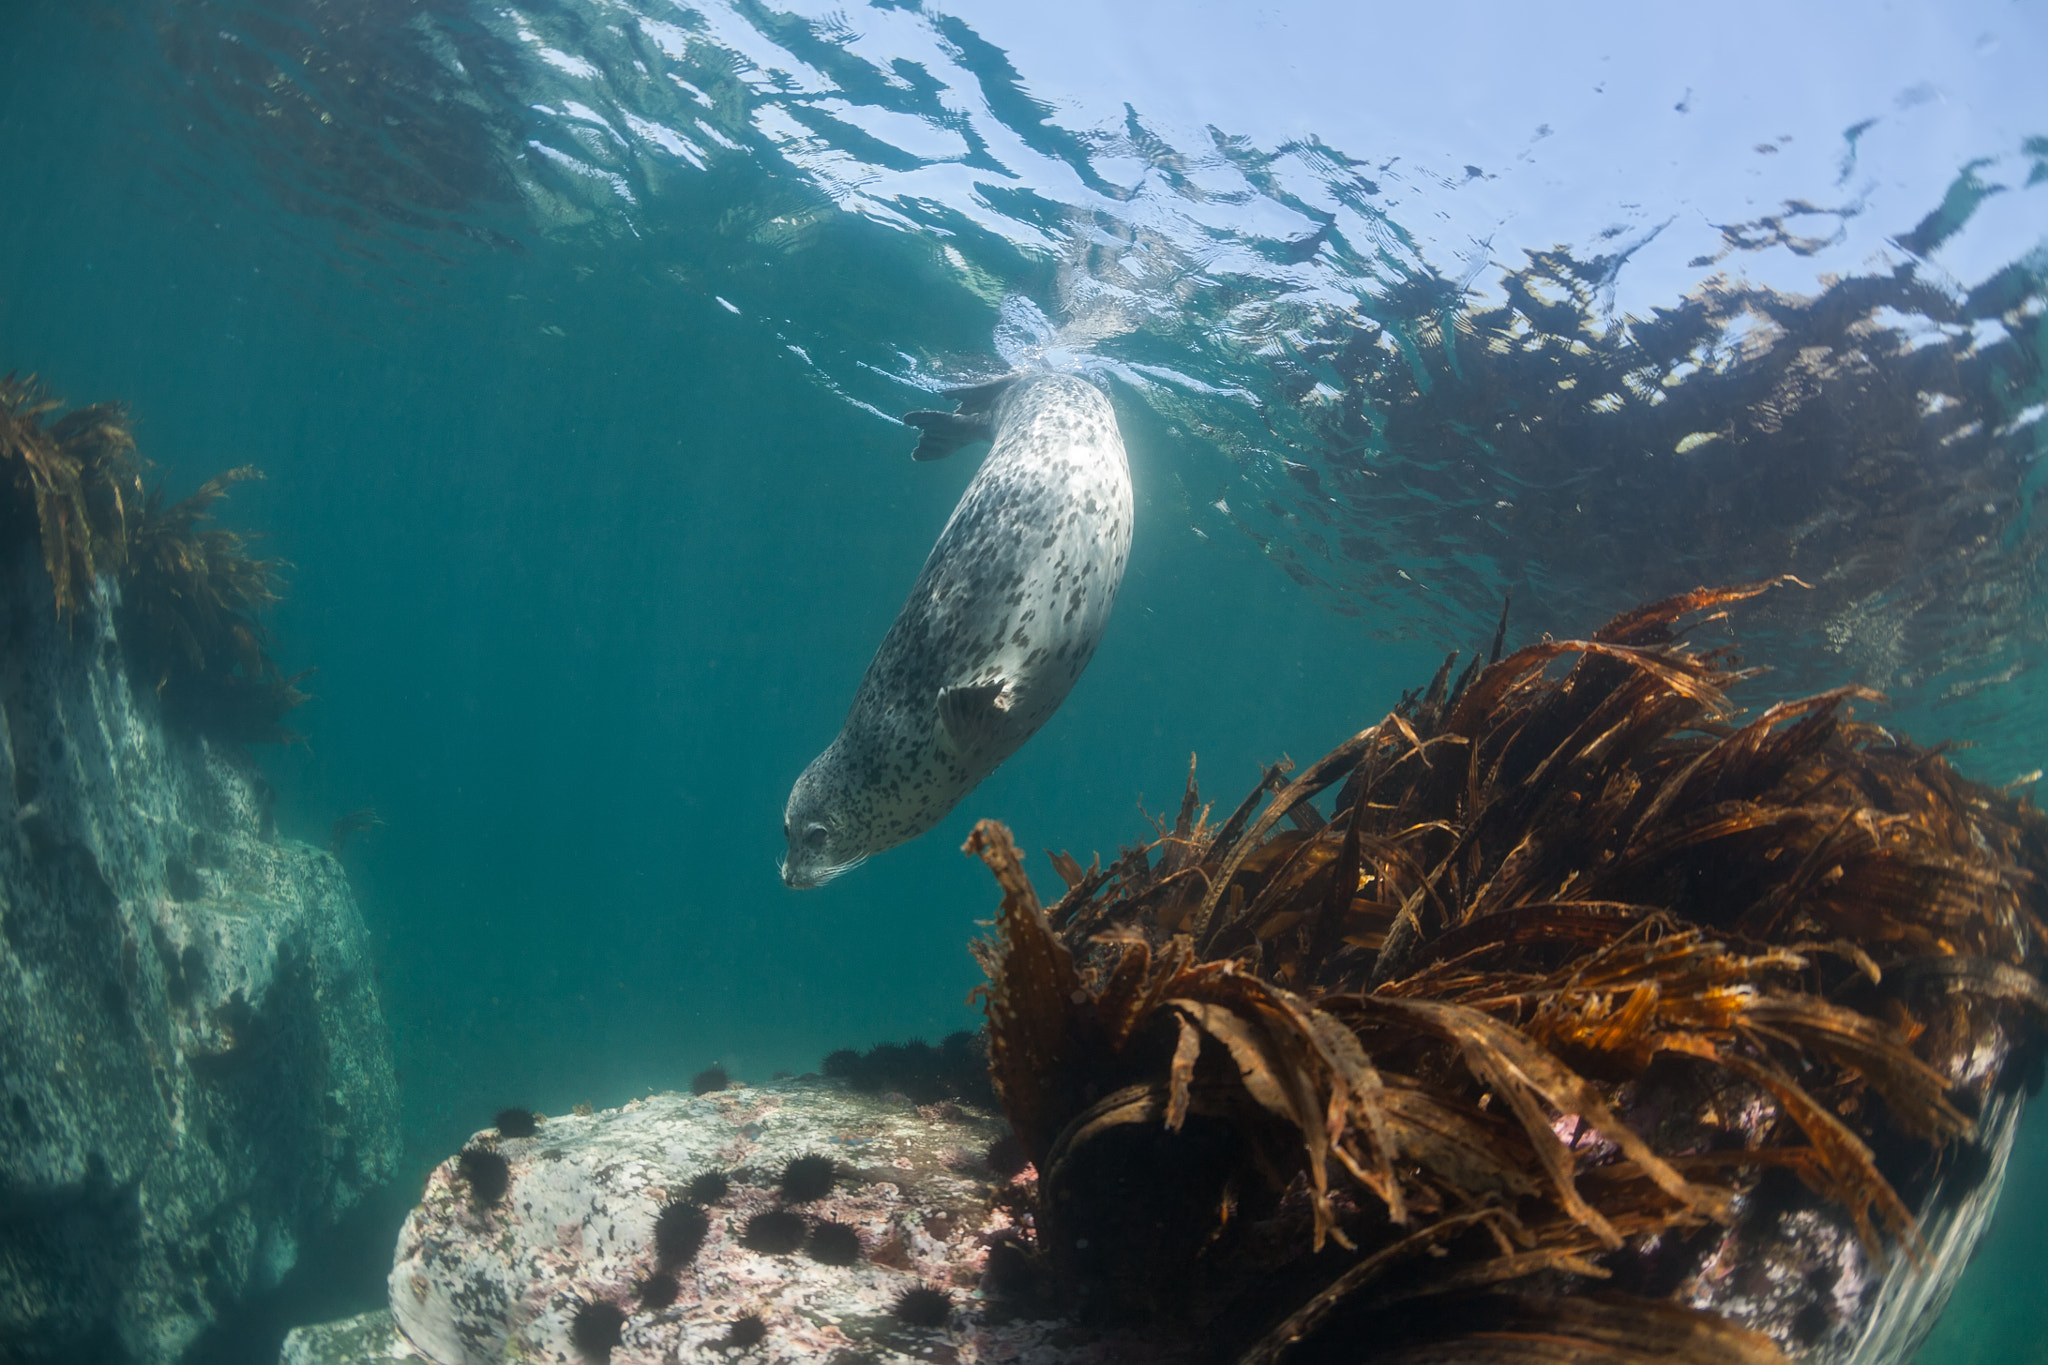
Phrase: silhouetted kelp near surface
x=191 y=595
x=1873 y=437
x=1585 y=984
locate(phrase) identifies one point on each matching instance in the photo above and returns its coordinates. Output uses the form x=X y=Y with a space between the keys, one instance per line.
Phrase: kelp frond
x=1577 y=959
x=192 y=594
x=74 y=478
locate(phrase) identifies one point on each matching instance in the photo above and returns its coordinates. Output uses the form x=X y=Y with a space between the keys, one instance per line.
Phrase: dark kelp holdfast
x=1595 y=1023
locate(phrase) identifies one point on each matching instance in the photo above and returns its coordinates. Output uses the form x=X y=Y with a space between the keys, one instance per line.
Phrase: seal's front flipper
x=971 y=715
x=946 y=432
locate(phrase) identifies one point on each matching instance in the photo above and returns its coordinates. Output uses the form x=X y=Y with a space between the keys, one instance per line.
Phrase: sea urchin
x=516 y=1123
x=923 y=1306
x=657 y=1291
x=834 y=1244
x=709 y=1187
x=678 y=1232
x=711 y=1078
x=775 y=1233
x=808 y=1177
x=747 y=1331
x=1006 y=1157
x=597 y=1327
x=487 y=1174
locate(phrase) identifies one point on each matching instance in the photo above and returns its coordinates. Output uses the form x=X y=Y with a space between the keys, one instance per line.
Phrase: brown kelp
x=1581 y=983
x=73 y=482
x=191 y=594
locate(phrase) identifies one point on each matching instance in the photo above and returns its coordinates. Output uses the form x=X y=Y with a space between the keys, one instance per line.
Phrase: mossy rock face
x=195 y=1074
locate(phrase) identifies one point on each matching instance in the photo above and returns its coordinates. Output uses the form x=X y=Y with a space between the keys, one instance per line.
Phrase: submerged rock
x=359 y=1340
x=475 y=1282
x=195 y=1074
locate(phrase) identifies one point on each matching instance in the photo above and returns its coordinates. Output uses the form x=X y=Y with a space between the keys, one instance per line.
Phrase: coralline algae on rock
x=472 y=1285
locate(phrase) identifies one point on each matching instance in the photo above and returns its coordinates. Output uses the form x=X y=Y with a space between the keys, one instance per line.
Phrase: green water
x=595 y=523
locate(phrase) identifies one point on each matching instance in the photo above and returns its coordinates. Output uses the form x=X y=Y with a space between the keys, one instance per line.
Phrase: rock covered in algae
x=359 y=1340
x=195 y=1074
x=576 y=1226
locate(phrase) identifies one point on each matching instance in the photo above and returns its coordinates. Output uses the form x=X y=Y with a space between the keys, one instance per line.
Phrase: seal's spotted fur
x=1006 y=613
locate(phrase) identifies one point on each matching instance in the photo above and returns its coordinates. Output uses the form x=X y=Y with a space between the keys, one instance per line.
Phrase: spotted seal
x=1004 y=616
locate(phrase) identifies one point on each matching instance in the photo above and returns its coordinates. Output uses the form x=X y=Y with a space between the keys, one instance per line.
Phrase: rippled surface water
x=573 y=336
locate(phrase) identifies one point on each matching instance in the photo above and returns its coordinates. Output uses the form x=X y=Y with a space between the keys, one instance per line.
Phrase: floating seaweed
x=191 y=595
x=1580 y=967
x=73 y=482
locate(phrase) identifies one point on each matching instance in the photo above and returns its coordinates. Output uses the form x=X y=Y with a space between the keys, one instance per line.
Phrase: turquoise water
x=571 y=340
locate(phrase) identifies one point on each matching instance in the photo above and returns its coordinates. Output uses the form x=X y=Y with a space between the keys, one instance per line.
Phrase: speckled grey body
x=1007 y=612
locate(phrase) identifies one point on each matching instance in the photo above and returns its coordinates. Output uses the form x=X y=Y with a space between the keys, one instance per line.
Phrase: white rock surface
x=366 y=1339
x=195 y=1074
x=470 y=1286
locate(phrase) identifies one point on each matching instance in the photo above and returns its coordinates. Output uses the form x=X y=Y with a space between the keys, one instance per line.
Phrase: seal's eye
x=814 y=837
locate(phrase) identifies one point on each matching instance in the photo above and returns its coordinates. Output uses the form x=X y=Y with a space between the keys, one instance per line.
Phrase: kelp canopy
x=1594 y=1023
x=190 y=594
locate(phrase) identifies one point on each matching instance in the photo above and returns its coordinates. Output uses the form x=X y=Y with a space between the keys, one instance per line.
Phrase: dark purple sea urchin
x=516 y=1123
x=711 y=1078
x=709 y=1187
x=834 y=1244
x=808 y=1177
x=597 y=1327
x=657 y=1291
x=486 y=1173
x=1006 y=1156
x=747 y=1331
x=923 y=1306
x=775 y=1233
x=679 y=1231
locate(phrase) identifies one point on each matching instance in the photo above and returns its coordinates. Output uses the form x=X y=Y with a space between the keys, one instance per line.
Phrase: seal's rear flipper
x=946 y=432
x=971 y=714
x=970 y=420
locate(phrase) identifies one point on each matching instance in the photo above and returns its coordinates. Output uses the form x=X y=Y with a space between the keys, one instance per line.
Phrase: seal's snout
x=795 y=878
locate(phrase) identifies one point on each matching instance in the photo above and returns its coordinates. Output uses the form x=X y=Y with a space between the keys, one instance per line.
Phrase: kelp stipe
x=1582 y=985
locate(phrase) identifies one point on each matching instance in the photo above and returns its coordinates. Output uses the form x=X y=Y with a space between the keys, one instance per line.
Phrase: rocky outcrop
x=195 y=1073
x=476 y=1282
x=365 y=1339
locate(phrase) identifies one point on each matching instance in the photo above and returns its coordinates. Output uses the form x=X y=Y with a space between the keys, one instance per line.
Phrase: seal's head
x=818 y=840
